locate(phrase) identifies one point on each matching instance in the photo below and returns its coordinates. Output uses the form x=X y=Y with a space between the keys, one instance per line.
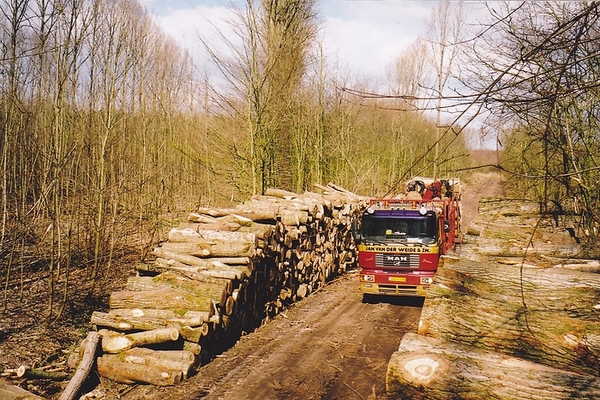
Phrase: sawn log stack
x=221 y=274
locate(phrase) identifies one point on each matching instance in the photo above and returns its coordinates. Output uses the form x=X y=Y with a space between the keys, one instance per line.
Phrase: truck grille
x=398 y=289
x=397 y=260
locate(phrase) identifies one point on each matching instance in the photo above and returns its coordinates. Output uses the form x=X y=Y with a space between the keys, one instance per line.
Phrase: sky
x=362 y=37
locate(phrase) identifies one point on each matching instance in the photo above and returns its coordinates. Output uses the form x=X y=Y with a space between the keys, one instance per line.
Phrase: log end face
x=421 y=370
x=115 y=344
x=408 y=371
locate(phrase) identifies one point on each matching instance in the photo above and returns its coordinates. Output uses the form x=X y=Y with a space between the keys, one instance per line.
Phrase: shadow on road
x=408 y=301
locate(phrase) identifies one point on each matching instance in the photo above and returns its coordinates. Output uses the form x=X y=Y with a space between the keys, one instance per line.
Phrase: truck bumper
x=393 y=290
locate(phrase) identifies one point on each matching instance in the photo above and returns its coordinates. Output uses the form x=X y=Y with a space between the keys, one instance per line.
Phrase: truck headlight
x=368 y=278
x=427 y=281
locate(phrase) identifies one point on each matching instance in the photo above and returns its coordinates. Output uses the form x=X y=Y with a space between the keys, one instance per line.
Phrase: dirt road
x=331 y=345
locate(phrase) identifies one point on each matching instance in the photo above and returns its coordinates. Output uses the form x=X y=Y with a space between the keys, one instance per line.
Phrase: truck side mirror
x=447 y=226
x=356 y=231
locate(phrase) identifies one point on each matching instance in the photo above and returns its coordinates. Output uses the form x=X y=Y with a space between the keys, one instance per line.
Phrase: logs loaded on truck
x=402 y=238
x=222 y=273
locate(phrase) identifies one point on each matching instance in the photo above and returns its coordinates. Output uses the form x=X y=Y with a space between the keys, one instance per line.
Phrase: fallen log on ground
x=12 y=392
x=546 y=315
x=87 y=360
x=27 y=372
x=430 y=368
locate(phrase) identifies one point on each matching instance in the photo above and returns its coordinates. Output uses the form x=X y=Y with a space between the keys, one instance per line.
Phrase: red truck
x=400 y=239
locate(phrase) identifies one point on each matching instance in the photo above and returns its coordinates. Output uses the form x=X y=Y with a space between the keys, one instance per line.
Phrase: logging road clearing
x=331 y=345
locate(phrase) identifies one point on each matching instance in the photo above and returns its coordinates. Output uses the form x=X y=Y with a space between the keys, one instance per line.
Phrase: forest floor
x=331 y=345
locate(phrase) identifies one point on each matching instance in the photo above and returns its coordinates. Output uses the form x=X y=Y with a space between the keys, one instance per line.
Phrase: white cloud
x=368 y=36
x=362 y=36
x=187 y=26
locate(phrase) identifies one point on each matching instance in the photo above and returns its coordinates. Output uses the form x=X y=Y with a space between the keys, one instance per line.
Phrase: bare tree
x=265 y=72
x=544 y=83
x=407 y=74
x=444 y=36
x=12 y=37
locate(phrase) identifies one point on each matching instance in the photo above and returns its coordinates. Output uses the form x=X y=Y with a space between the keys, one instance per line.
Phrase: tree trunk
x=89 y=345
x=547 y=315
x=169 y=280
x=429 y=368
x=181 y=360
x=163 y=298
x=211 y=243
x=33 y=373
x=114 y=342
x=191 y=318
x=106 y=320
x=211 y=269
x=11 y=392
x=115 y=368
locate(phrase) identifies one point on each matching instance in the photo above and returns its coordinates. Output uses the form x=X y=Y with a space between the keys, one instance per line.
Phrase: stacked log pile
x=222 y=273
x=505 y=327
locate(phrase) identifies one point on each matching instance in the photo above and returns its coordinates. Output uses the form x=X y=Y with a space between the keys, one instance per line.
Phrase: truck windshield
x=393 y=229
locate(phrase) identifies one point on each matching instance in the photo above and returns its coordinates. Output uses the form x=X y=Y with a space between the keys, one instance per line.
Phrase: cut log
x=206 y=272
x=89 y=346
x=542 y=315
x=293 y=217
x=209 y=289
x=115 y=368
x=218 y=226
x=257 y=212
x=302 y=291
x=428 y=368
x=296 y=204
x=588 y=266
x=106 y=320
x=236 y=219
x=283 y=194
x=195 y=217
x=173 y=360
x=211 y=243
x=169 y=280
x=214 y=212
x=193 y=348
x=33 y=373
x=187 y=259
x=232 y=273
x=261 y=231
x=190 y=318
x=115 y=342
x=12 y=392
x=192 y=334
x=163 y=298
x=228 y=261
